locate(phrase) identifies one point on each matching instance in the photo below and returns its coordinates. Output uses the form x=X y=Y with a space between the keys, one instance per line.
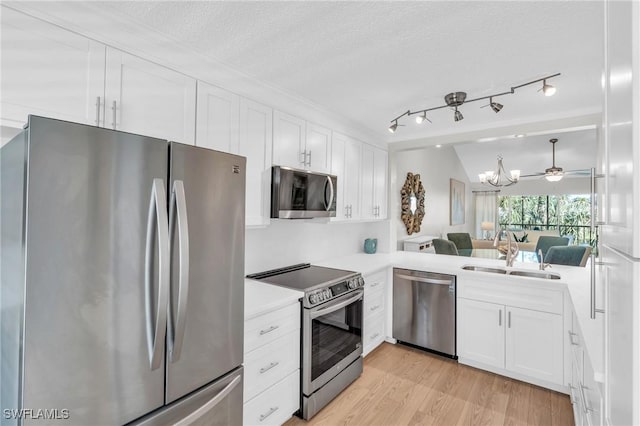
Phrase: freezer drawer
x=424 y=310
x=219 y=403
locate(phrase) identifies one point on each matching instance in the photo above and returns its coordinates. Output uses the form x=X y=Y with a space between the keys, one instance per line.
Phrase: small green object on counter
x=370 y=245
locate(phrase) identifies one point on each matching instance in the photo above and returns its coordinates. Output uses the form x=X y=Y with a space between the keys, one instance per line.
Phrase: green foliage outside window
x=570 y=214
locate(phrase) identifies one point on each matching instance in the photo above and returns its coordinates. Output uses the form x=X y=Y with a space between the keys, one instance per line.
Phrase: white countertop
x=575 y=280
x=260 y=298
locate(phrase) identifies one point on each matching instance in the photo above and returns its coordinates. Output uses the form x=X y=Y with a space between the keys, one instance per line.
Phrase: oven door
x=331 y=339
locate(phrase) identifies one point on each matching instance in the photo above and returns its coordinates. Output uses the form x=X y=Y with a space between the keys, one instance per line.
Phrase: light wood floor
x=405 y=386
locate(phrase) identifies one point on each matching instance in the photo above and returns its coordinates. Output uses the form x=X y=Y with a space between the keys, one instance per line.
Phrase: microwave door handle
x=157 y=214
x=333 y=308
x=327 y=206
x=179 y=206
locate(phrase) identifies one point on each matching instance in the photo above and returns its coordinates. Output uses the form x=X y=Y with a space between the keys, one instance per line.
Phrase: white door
x=256 y=144
x=481 y=332
x=288 y=140
x=218 y=118
x=380 y=165
x=148 y=99
x=534 y=344
x=338 y=144
x=48 y=71
x=318 y=148
x=352 y=157
x=366 y=181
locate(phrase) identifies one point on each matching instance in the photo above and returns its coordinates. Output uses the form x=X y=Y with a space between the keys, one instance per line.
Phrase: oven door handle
x=333 y=308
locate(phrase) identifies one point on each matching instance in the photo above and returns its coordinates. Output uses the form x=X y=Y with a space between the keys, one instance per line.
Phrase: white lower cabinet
x=585 y=392
x=373 y=330
x=272 y=366
x=520 y=341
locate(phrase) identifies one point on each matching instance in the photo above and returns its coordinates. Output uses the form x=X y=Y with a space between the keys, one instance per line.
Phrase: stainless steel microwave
x=301 y=194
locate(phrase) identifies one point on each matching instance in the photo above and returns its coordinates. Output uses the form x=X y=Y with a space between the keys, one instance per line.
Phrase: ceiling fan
x=554 y=173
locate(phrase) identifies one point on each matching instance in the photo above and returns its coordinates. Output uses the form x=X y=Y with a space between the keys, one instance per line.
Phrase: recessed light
x=438 y=146
x=518 y=136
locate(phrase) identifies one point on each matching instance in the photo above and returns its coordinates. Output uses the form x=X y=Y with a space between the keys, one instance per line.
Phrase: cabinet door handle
x=269 y=330
x=113 y=109
x=374 y=308
x=309 y=161
x=268 y=413
x=571 y=334
x=500 y=318
x=98 y=111
x=509 y=319
x=375 y=284
x=303 y=154
x=268 y=367
x=374 y=336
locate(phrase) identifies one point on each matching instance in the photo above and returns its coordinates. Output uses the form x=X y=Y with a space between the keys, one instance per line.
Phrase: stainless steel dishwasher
x=424 y=310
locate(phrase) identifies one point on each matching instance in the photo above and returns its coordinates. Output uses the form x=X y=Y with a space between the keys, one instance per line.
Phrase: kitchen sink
x=534 y=274
x=531 y=274
x=484 y=269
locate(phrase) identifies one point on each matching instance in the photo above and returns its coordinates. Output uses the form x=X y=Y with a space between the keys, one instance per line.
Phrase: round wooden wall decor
x=412 y=202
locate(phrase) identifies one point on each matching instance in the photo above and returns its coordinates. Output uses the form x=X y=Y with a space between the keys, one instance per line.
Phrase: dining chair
x=544 y=242
x=568 y=255
x=444 y=246
x=462 y=240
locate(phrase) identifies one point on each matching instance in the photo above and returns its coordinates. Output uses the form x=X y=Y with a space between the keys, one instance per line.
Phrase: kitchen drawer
x=275 y=405
x=270 y=363
x=512 y=294
x=373 y=333
x=373 y=303
x=266 y=328
x=375 y=281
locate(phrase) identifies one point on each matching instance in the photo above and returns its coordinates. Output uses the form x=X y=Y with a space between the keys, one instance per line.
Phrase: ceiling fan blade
x=579 y=172
x=533 y=175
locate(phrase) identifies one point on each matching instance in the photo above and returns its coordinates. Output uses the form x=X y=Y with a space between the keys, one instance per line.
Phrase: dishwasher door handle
x=424 y=280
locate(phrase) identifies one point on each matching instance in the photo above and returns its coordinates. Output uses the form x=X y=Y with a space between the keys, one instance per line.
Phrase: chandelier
x=499 y=178
x=455 y=99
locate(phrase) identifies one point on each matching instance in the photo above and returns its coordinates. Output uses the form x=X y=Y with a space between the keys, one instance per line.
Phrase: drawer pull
x=587 y=409
x=373 y=308
x=268 y=367
x=374 y=336
x=571 y=334
x=268 y=413
x=269 y=330
x=375 y=284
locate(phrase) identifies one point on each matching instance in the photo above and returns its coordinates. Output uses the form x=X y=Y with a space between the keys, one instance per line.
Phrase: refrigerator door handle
x=156 y=329
x=179 y=208
x=205 y=408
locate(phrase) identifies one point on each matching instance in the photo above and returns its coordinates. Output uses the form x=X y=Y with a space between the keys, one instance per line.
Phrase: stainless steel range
x=331 y=341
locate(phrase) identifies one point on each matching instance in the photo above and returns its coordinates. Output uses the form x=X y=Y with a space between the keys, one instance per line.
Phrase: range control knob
x=360 y=281
x=313 y=299
x=352 y=283
x=327 y=294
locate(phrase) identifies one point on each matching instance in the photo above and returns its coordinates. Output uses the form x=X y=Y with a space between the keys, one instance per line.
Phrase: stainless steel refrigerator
x=122 y=279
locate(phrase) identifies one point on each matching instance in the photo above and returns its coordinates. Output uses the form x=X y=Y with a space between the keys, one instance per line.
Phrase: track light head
x=495 y=106
x=548 y=89
x=457 y=116
x=422 y=118
x=393 y=127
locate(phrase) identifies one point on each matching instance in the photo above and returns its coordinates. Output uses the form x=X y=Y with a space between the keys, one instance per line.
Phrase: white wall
x=287 y=242
x=435 y=166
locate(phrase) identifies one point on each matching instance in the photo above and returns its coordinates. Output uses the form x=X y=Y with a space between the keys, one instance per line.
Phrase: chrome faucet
x=541 y=263
x=512 y=247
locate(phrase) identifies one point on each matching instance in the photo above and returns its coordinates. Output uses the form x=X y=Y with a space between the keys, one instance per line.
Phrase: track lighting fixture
x=455 y=99
x=422 y=118
x=548 y=89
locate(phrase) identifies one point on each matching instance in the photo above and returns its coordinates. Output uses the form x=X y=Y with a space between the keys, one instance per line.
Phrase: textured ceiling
x=371 y=61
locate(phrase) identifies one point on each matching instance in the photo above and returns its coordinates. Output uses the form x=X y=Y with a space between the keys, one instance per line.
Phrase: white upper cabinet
x=345 y=164
x=374 y=183
x=218 y=118
x=145 y=98
x=299 y=144
x=289 y=138
x=318 y=148
x=48 y=71
x=256 y=144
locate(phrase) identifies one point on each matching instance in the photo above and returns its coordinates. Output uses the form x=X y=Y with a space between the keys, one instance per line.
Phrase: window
x=569 y=214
